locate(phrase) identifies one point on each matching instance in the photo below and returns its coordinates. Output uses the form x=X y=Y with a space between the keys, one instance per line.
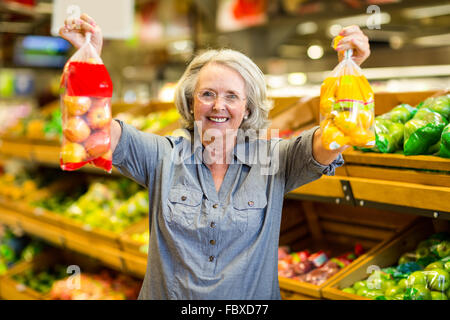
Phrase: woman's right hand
x=74 y=31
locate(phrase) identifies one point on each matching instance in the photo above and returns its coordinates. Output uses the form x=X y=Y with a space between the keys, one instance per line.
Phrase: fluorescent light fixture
x=180 y=46
x=427 y=12
x=276 y=81
x=297 y=78
x=334 y=30
x=433 y=41
x=315 y=52
x=363 y=20
x=392 y=72
x=307 y=28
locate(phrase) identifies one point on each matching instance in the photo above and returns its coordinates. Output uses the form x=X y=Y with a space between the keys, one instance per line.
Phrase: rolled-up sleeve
x=300 y=167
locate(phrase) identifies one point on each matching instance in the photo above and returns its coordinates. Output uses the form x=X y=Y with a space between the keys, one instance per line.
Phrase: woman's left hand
x=354 y=38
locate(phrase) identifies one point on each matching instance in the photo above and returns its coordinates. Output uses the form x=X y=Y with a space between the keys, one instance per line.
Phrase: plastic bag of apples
x=86 y=91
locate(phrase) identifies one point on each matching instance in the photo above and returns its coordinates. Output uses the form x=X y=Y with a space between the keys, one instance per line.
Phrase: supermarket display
x=150 y=122
x=346 y=106
x=106 y=204
x=48 y=277
x=358 y=235
x=423 y=132
x=104 y=285
x=86 y=111
x=40 y=124
x=15 y=248
x=419 y=275
x=313 y=268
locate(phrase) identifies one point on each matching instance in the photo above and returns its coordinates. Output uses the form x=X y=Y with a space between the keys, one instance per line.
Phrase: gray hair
x=257 y=103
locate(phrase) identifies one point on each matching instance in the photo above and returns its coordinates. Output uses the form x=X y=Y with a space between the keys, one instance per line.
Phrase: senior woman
x=216 y=194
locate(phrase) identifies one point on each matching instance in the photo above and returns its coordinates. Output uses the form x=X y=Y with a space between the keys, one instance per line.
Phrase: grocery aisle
x=378 y=229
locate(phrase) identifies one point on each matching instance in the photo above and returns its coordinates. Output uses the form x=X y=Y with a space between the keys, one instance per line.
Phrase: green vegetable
x=423 y=131
x=400 y=113
x=445 y=143
x=389 y=135
x=439 y=104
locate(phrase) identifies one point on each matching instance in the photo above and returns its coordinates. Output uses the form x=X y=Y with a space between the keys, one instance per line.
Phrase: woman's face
x=219 y=100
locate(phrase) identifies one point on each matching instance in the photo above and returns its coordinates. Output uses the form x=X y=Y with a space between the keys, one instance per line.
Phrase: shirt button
x=215 y=205
x=251 y=203
x=212 y=242
x=183 y=198
x=211 y=258
x=213 y=224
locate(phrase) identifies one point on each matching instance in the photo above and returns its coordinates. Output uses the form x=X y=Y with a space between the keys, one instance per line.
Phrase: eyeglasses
x=209 y=97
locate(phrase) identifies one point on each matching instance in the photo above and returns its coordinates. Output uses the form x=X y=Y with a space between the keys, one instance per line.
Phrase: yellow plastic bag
x=347 y=106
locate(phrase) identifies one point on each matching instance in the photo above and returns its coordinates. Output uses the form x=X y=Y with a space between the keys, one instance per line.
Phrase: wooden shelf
x=80 y=241
x=396 y=160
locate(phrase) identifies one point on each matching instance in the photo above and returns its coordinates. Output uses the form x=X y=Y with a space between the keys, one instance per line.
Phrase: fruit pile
x=106 y=204
x=105 y=285
x=419 y=275
x=312 y=268
x=346 y=107
x=152 y=122
x=14 y=248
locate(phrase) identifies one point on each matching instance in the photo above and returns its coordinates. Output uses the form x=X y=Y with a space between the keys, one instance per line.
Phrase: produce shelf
x=386 y=256
x=426 y=162
x=335 y=228
x=99 y=244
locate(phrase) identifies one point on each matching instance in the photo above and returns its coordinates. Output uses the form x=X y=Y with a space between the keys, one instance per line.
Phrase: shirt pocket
x=184 y=205
x=248 y=210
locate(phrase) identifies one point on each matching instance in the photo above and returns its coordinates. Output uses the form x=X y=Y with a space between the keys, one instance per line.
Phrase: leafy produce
x=423 y=132
x=347 y=107
x=419 y=275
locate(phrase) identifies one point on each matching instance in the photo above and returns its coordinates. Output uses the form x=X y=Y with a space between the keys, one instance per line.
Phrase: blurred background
x=288 y=39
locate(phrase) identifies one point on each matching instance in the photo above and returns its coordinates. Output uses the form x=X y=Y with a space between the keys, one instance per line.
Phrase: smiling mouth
x=218 y=119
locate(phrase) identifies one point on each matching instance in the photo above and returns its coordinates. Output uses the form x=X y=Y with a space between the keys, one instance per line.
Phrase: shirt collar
x=243 y=152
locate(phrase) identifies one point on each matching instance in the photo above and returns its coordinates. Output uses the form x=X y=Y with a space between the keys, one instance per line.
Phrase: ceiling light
x=297 y=78
x=364 y=20
x=396 y=42
x=307 y=28
x=433 y=41
x=315 y=52
x=275 y=81
x=427 y=12
x=334 y=30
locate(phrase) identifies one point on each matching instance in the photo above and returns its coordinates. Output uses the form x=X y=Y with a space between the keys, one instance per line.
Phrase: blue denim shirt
x=206 y=244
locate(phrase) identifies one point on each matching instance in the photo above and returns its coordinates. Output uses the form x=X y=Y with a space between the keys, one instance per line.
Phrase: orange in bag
x=346 y=106
x=86 y=91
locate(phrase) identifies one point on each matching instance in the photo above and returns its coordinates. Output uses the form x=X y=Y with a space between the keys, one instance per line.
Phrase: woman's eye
x=207 y=94
x=232 y=97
